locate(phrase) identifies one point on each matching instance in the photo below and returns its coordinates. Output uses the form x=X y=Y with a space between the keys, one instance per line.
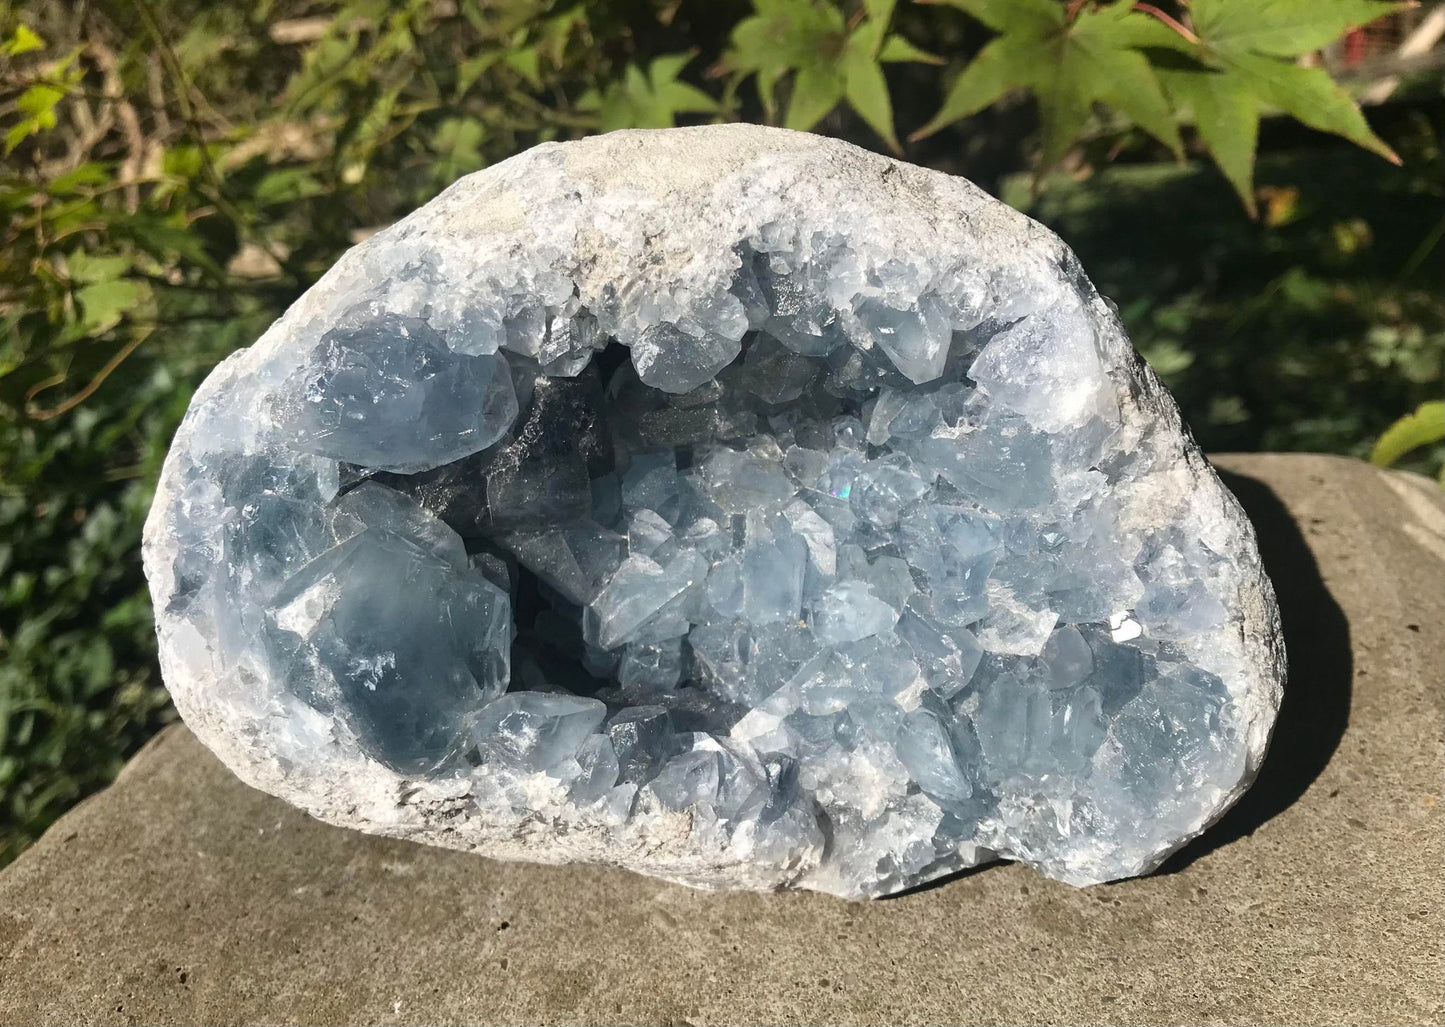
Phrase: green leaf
x=1425 y=426
x=103 y=304
x=85 y=268
x=1226 y=116
x=880 y=11
x=670 y=96
x=785 y=35
x=809 y=41
x=1033 y=17
x=165 y=240
x=1242 y=69
x=897 y=50
x=1282 y=28
x=867 y=91
x=866 y=38
x=37 y=103
x=1000 y=66
x=1068 y=67
x=648 y=100
x=767 y=81
x=1112 y=72
x=527 y=62
x=285 y=185
x=473 y=68
x=816 y=91
x=22 y=40
x=457 y=145
x=18 y=133
x=1310 y=96
x=89 y=173
x=1062 y=85
x=668 y=67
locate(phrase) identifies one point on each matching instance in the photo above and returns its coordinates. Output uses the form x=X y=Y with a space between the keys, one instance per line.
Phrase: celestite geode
x=728 y=504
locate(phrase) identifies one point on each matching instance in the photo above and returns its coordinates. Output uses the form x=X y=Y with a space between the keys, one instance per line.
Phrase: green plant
x=1424 y=427
x=1233 y=60
x=825 y=57
x=651 y=99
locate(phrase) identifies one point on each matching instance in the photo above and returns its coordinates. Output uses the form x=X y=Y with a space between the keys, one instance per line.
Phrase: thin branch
x=89 y=390
x=1168 y=20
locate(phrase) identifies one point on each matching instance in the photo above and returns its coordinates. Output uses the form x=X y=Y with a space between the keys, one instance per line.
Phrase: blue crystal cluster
x=831 y=558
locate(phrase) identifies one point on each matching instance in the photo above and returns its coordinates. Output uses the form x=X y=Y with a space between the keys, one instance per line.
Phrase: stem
x=89 y=390
x=1169 y=20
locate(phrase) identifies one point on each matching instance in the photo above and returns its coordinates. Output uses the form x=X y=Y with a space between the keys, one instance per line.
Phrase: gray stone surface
x=182 y=896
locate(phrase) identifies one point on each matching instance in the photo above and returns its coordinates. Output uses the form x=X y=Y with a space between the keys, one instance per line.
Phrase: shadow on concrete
x=940 y=882
x=1316 y=706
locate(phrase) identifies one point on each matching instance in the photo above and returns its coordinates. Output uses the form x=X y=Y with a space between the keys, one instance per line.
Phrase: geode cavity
x=728 y=504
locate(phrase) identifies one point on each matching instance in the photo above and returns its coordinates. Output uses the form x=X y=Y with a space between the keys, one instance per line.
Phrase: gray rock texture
x=180 y=896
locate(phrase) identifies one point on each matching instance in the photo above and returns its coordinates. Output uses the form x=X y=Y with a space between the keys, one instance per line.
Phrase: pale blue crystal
x=849 y=611
x=409 y=678
x=390 y=395
x=536 y=730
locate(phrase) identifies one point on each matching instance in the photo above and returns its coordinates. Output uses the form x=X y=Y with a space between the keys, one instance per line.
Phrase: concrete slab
x=181 y=896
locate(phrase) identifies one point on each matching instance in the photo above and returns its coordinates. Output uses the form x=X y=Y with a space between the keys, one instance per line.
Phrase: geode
x=728 y=504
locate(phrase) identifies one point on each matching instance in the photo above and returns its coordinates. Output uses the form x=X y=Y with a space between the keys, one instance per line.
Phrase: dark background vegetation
x=178 y=171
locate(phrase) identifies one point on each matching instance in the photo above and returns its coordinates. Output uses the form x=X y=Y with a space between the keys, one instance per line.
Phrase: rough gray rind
x=657 y=206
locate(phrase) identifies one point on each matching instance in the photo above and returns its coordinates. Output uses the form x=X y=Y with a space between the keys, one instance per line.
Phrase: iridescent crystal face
x=857 y=550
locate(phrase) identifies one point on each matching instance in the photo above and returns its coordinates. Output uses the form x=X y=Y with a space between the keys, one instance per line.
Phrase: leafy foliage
x=827 y=58
x=1421 y=428
x=1070 y=58
x=650 y=100
x=178 y=171
x=1221 y=74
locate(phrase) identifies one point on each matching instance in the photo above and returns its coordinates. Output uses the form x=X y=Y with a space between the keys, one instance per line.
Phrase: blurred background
x=1258 y=185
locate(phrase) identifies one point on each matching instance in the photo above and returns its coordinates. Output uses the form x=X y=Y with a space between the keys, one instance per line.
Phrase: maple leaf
x=1242 y=67
x=1068 y=62
x=1233 y=63
x=830 y=59
x=650 y=99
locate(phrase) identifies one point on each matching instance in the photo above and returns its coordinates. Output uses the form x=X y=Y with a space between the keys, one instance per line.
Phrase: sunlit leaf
x=1310 y=96
x=998 y=68
x=1068 y=66
x=526 y=61
x=1421 y=428
x=816 y=91
x=866 y=91
x=897 y=50
x=1282 y=28
x=1221 y=74
x=1226 y=117
x=1035 y=17
x=84 y=267
x=104 y=303
x=650 y=99
x=22 y=40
